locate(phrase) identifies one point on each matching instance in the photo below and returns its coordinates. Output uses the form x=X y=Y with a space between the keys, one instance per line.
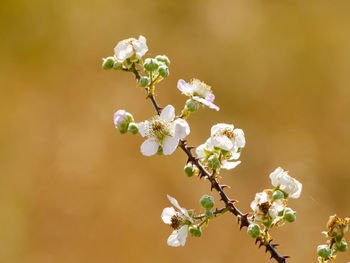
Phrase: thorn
x=245 y=215
x=260 y=245
x=184 y=142
x=188 y=160
x=190 y=147
x=285 y=257
x=232 y=201
x=256 y=241
x=225 y=186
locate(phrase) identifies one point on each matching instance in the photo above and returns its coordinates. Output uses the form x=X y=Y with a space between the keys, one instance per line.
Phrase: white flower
x=199 y=91
x=286 y=183
x=225 y=137
x=130 y=47
x=178 y=220
x=226 y=164
x=163 y=130
x=264 y=209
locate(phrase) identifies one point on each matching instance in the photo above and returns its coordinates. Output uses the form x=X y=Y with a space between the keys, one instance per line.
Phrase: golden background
x=73 y=189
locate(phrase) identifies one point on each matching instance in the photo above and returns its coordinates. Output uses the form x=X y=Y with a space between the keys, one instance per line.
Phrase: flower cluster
x=270 y=206
x=163 y=134
x=336 y=229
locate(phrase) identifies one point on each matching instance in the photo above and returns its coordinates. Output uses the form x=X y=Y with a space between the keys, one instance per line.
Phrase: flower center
x=176 y=222
x=264 y=207
x=159 y=128
x=228 y=133
x=200 y=88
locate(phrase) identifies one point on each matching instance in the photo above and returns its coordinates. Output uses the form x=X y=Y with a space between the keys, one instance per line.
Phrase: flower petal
x=168 y=113
x=229 y=165
x=149 y=147
x=174 y=202
x=184 y=87
x=222 y=142
x=206 y=103
x=182 y=129
x=167 y=214
x=140 y=47
x=143 y=127
x=123 y=50
x=178 y=237
x=239 y=138
x=170 y=144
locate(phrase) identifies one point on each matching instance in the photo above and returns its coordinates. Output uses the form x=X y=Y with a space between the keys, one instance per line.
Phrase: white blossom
x=163 y=131
x=130 y=47
x=178 y=220
x=264 y=209
x=198 y=91
x=286 y=183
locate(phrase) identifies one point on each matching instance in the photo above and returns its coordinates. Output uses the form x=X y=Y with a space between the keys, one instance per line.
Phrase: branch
x=229 y=203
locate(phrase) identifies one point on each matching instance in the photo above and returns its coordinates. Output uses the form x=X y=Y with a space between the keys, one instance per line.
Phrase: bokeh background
x=72 y=189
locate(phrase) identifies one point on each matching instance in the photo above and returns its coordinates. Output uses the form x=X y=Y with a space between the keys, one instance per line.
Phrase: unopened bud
x=151 y=64
x=253 y=230
x=129 y=117
x=195 y=232
x=123 y=126
x=208 y=213
x=213 y=162
x=163 y=71
x=108 y=63
x=289 y=215
x=144 y=81
x=324 y=251
x=189 y=170
x=342 y=246
x=133 y=128
x=192 y=105
x=277 y=195
x=207 y=201
x=118 y=65
x=164 y=59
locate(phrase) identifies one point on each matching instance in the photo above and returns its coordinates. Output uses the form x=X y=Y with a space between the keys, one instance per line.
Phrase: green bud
x=324 y=251
x=192 y=105
x=144 y=81
x=129 y=117
x=342 y=246
x=207 y=201
x=163 y=71
x=123 y=126
x=108 y=63
x=277 y=195
x=213 y=162
x=164 y=59
x=189 y=170
x=133 y=128
x=151 y=64
x=289 y=215
x=208 y=213
x=253 y=230
x=118 y=65
x=195 y=232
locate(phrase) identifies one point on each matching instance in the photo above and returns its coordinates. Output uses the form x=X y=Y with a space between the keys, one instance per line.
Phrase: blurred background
x=72 y=189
